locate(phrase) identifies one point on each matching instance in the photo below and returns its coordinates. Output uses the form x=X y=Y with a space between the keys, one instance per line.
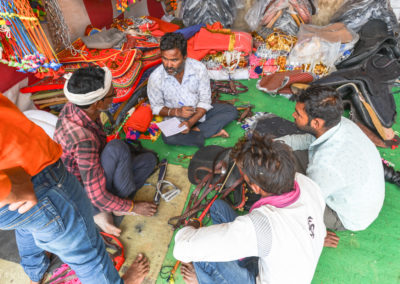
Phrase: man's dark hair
x=268 y=163
x=86 y=80
x=322 y=102
x=174 y=40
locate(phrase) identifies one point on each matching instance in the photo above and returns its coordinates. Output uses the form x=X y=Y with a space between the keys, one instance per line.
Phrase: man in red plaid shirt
x=108 y=172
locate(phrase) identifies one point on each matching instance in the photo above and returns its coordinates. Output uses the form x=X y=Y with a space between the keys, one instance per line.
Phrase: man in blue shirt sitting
x=341 y=160
x=181 y=88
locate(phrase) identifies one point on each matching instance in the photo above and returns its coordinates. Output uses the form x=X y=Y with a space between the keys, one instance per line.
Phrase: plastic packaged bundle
x=279 y=13
x=287 y=24
x=256 y=13
x=315 y=52
x=337 y=32
x=196 y=12
x=355 y=13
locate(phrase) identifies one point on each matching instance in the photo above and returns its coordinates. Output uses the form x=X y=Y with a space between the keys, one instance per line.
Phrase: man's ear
x=317 y=123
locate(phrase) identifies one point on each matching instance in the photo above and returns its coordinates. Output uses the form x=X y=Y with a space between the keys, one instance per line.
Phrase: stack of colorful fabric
x=139 y=52
x=47 y=94
x=223 y=51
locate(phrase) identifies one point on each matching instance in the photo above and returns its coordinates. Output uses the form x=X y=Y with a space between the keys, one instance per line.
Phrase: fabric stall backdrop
x=78 y=14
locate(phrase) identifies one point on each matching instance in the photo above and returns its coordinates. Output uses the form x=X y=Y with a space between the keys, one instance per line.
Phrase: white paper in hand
x=171 y=126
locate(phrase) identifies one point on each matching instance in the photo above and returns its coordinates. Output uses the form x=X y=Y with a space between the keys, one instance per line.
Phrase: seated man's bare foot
x=138 y=270
x=222 y=133
x=195 y=128
x=140 y=208
x=105 y=221
x=331 y=239
x=189 y=273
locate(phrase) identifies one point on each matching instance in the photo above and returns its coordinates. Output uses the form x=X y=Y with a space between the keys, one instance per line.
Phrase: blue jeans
x=61 y=223
x=223 y=272
x=216 y=118
x=125 y=174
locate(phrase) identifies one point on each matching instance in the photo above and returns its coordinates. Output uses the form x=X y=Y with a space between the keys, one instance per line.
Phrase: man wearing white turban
x=110 y=174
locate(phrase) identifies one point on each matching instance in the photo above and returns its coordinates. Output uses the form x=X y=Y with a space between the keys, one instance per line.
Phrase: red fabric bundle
x=140 y=119
x=220 y=41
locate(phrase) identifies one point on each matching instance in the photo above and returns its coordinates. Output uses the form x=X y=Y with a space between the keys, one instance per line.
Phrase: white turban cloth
x=91 y=97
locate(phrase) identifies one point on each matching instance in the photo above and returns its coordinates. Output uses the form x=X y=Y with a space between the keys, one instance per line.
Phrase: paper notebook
x=171 y=126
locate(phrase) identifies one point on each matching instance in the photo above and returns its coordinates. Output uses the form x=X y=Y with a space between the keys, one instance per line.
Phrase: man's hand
x=22 y=195
x=188 y=126
x=185 y=111
x=193 y=222
x=331 y=239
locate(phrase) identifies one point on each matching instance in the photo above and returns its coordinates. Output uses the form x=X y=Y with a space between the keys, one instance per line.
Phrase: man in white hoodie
x=284 y=229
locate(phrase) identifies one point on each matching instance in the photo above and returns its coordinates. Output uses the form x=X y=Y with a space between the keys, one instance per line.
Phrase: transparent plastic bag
x=278 y=9
x=355 y=13
x=287 y=24
x=256 y=13
x=208 y=12
x=337 y=32
x=313 y=51
x=332 y=32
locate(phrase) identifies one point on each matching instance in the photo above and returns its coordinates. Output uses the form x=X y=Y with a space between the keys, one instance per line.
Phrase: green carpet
x=370 y=256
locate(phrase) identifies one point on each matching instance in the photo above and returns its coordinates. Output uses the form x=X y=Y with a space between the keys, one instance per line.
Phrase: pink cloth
x=279 y=201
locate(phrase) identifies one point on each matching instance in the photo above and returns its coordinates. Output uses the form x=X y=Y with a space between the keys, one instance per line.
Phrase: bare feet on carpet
x=138 y=270
x=105 y=221
x=189 y=273
x=331 y=239
x=222 y=133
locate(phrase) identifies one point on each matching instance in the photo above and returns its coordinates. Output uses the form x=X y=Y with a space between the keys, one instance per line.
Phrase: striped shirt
x=82 y=141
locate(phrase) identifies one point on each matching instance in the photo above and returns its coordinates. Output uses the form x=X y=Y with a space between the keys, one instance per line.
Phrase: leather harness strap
x=195 y=201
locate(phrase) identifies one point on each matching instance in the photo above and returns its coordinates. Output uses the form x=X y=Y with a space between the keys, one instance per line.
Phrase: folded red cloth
x=140 y=119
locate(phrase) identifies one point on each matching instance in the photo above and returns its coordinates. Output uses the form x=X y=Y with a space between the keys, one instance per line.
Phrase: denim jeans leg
x=62 y=224
x=222 y=273
x=221 y=212
x=33 y=259
x=79 y=244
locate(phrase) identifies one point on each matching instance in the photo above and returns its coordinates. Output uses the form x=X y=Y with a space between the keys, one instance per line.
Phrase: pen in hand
x=186 y=111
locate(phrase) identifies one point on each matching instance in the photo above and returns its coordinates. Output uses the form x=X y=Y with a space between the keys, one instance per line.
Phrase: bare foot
x=138 y=270
x=105 y=222
x=222 y=133
x=189 y=273
x=195 y=128
x=331 y=240
x=140 y=208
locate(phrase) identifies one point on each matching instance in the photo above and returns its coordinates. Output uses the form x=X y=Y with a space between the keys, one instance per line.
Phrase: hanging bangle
x=169 y=111
x=131 y=209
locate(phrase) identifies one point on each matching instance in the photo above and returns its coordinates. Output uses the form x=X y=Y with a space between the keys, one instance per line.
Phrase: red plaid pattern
x=82 y=141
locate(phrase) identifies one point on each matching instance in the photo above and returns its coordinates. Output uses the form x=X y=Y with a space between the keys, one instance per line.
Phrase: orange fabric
x=5 y=185
x=164 y=26
x=22 y=144
x=193 y=53
x=140 y=119
x=205 y=39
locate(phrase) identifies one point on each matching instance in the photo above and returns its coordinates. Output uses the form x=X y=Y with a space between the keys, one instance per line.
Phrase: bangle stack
x=169 y=111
